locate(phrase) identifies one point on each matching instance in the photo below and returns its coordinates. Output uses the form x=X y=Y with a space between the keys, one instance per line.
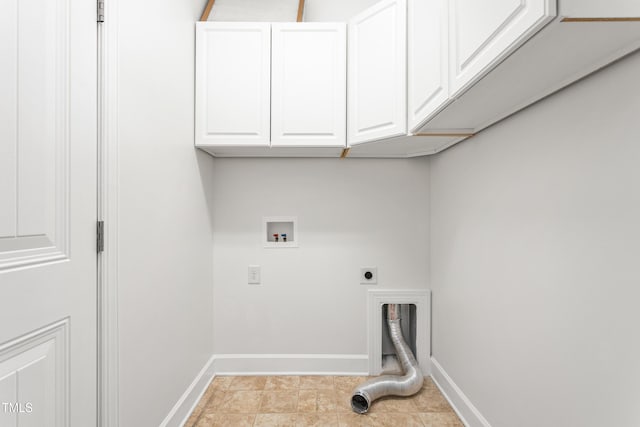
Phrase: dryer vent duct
x=391 y=385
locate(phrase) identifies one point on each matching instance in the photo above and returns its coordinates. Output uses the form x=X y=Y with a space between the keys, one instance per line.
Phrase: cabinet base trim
x=600 y=19
x=466 y=135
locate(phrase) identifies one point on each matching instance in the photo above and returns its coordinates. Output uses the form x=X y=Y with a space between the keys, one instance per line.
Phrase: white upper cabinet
x=428 y=58
x=233 y=63
x=502 y=60
x=308 y=84
x=443 y=70
x=377 y=58
x=482 y=32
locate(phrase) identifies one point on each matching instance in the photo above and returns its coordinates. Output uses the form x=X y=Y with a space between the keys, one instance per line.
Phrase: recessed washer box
x=377 y=300
x=280 y=231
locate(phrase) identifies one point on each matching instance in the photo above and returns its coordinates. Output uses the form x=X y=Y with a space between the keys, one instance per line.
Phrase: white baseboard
x=291 y=364
x=188 y=401
x=467 y=412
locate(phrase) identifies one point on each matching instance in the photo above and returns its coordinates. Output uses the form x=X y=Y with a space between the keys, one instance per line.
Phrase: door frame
x=108 y=341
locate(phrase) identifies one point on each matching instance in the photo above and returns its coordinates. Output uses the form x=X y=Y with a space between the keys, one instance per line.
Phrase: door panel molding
x=34 y=373
x=40 y=233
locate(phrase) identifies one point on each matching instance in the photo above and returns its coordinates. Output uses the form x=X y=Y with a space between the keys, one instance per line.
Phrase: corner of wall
x=467 y=412
x=190 y=398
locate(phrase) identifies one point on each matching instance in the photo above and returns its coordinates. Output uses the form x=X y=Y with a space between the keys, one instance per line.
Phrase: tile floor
x=324 y=401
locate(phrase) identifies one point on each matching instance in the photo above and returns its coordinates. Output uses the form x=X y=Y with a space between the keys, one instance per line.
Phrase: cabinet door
x=377 y=58
x=428 y=47
x=308 y=84
x=482 y=33
x=233 y=63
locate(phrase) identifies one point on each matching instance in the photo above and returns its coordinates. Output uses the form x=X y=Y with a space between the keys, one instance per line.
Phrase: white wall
x=535 y=246
x=165 y=278
x=334 y=10
x=286 y=10
x=352 y=213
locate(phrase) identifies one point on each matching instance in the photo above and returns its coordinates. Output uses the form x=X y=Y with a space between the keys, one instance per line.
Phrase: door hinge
x=100 y=236
x=100 y=11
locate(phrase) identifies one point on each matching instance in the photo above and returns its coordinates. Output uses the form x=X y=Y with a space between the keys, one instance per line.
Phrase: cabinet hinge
x=100 y=17
x=100 y=236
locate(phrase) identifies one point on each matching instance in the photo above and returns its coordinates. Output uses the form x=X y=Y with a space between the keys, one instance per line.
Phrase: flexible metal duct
x=387 y=385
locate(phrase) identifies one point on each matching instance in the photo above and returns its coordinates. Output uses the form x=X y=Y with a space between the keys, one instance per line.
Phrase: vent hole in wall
x=408 y=324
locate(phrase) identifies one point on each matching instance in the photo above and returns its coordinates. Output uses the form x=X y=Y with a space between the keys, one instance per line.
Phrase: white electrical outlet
x=368 y=275
x=254 y=275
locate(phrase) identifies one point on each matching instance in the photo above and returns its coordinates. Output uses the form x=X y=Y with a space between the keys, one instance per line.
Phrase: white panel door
x=377 y=64
x=233 y=65
x=48 y=213
x=428 y=59
x=309 y=84
x=482 y=33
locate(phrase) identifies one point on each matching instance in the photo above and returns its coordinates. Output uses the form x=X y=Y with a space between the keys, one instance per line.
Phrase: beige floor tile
x=248 y=383
x=241 y=402
x=348 y=383
x=215 y=402
x=206 y=420
x=393 y=404
x=310 y=401
x=228 y=420
x=282 y=402
x=429 y=384
x=431 y=400
x=275 y=420
x=441 y=419
x=396 y=420
x=343 y=401
x=289 y=382
x=351 y=419
x=313 y=401
x=317 y=420
x=221 y=383
x=316 y=382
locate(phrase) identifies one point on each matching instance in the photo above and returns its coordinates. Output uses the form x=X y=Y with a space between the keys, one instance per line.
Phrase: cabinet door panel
x=233 y=83
x=377 y=72
x=308 y=92
x=428 y=45
x=482 y=33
